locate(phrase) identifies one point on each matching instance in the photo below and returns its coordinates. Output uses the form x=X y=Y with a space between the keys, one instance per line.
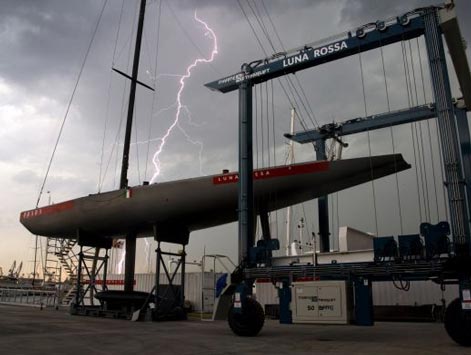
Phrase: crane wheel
x=249 y=322
x=458 y=323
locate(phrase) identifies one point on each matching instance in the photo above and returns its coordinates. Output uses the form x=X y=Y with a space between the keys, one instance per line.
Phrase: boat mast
x=130 y=259
x=132 y=97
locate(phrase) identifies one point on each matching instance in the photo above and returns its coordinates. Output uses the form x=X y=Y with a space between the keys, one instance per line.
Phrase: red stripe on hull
x=275 y=172
x=59 y=207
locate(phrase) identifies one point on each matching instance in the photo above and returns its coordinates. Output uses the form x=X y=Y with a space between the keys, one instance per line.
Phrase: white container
x=322 y=302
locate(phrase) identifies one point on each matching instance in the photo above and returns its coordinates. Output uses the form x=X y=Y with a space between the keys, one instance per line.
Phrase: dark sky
x=44 y=43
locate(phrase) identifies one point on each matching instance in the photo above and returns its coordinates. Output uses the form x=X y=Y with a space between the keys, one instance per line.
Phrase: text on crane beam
x=299 y=58
x=318 y=52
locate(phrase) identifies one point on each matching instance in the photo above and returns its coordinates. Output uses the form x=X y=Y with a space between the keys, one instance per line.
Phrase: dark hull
x=203 y=202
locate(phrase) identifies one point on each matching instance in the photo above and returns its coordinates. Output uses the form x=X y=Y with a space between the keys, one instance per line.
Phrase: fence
x=34 y=297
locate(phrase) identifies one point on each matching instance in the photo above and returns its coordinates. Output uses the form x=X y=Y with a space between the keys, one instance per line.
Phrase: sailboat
x=170 y=211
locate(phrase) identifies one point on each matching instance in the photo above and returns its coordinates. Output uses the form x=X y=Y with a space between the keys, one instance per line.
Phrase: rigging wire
x=421 y=71
x=145 y=38
x=273 y=25
x=82 y=66
x=127 y=84
x=114 y=147
x=406 y=73
x=273 y=122
x=441 y=159
x=291 y=87
x=69 y=104
x=297 y=113
x=413 y=73
x=414 y=147
x=127 y=42
x=259 y=19
x=443 y=174
x=147 y=48
x=266 y=54
x=406 y=76
x=274 y=145
x=425 y=178
x=268 y=123
x=288 y=79
x=442 y=170
x=420 y=143
x=420 y=167
x=154 y=98
x=108 y=99
x=122 y=110
x=369 y=143
x=310 y=114
x=429 y=134
x=136 y=145
x=290 y=83
x=396 y=175
x=253 y=29
x=431 y=151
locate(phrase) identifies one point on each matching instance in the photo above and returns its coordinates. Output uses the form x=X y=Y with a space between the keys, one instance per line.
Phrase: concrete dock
x=27 y=330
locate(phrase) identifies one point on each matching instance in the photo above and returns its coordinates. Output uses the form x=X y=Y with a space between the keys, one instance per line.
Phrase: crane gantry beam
x=365 y=38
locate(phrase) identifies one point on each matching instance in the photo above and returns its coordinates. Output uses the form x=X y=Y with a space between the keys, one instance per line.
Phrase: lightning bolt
x=180 y=107
x=156 y=158
x=191 y=140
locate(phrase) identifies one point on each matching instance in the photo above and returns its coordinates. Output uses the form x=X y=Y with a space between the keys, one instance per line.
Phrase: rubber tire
x=249 y=322
x=457 y=326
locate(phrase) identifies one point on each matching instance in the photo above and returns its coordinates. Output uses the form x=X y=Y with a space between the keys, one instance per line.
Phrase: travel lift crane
x=246 y=315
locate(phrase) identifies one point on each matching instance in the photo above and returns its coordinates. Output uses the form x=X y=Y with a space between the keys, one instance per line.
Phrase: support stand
x=130 y=262
x=84 y=270
x=91 y=275
x=169 y=297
